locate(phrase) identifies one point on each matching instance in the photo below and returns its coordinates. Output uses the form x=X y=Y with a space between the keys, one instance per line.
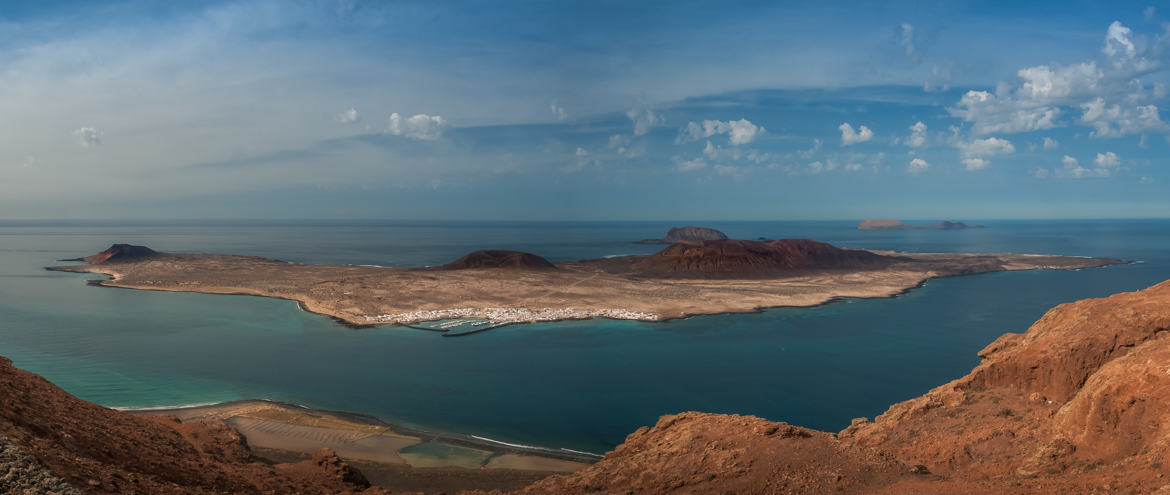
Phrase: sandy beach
x=395 y=457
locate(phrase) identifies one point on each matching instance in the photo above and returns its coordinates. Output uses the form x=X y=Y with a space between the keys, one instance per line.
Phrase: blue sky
x=583 y=111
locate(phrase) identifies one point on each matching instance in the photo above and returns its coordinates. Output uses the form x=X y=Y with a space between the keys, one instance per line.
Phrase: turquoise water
x=582 y=385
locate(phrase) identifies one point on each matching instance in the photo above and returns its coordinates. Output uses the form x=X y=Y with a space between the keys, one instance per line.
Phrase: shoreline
x=113 y=281
x=191 y=412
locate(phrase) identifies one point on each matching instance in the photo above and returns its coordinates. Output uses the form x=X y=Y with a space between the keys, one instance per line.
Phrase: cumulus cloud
x=917 y=137
x=421 y=127
x=1051 y=144
x=1117 y=120
x=88 y=137
x=644 y=119
x=1108 y=159
x=1071 y=168
x=986 y=147
x=581 y=152
x=349 y=116
x=974 y=152
x=917 y=165
x=850 y=137
x=1111 y=97
x=558 y=111
x=739 y=132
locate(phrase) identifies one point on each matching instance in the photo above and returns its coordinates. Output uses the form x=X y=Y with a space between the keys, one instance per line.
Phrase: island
x=889 y=224
x=687 y=234
x=488 y=289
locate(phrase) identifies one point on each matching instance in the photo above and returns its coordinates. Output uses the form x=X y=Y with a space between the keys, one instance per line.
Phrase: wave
x=164 y=408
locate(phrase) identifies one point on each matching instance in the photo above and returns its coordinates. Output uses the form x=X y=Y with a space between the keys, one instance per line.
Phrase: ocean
x=581 y=385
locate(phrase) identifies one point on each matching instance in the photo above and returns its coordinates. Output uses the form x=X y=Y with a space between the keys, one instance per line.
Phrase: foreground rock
x=504 y=287
x=1078 y=404
x=100 y=450
x=888 y=224
x=687 y=234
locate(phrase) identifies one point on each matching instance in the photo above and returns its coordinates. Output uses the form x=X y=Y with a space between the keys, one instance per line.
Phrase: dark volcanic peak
x=499 y=258
x=120 y=252
x=687 y=234
x=742 y=258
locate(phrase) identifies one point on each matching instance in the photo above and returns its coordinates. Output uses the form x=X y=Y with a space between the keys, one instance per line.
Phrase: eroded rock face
x=100 y=450
x=1080 y=403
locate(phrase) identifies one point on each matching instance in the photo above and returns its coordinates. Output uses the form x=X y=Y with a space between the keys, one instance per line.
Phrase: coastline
x=336 y=421
x=802 y=289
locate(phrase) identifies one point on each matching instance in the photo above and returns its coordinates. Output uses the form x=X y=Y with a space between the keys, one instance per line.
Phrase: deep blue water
x=581 y=385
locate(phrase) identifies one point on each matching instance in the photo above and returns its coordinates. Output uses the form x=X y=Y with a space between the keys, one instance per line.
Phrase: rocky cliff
x=99 y=450
x=1080 y=403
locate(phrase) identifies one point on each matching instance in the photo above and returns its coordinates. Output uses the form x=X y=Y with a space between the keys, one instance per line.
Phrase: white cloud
x=691 y=165
x=817 y=144
x=850 y=137
x=1108 y=159
x=581 y=153
x=1072 y=169
x=28 y=162
x=1146 y=180
x=1112 y=97
x=422 y=127
x=917 y=165
x=644 y=119
x=739 y=132
x=852 y=167
x=991 y=114
x=88 y=137
x=349 y=116
x=1051 y=144
x=975 y=163
x=917 y=137
x=558 y=111
x=1150 y=13
x=1118 y=42
x=1116 y=120
x=1040 y=173
x=986 y=147
x=906 y=40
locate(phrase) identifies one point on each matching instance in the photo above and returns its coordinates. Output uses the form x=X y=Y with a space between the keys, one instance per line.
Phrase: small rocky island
x=488 y=289
x=687 y=234
x=890 y=224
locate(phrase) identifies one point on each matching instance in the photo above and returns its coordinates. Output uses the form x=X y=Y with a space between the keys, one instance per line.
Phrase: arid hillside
x=1080 y=403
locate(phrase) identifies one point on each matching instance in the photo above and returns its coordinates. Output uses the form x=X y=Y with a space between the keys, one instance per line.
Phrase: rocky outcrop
x=120 y=252
x=100 y=450
x=687 y=234
x=733 y=258
x=1080 y=403
x=889 y=224
x=498 y=258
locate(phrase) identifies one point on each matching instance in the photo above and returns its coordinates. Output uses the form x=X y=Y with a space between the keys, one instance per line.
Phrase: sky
x=443 y=110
